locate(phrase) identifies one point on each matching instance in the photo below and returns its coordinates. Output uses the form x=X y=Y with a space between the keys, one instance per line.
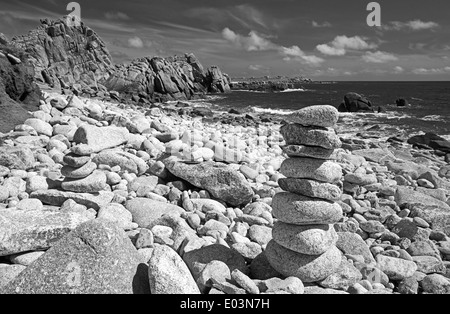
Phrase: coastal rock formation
x=18 y=91
x=304 y=239
x=354 y=102
x=75 y=57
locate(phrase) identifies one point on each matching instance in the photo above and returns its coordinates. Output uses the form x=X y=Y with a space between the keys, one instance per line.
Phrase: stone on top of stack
x=304 y=239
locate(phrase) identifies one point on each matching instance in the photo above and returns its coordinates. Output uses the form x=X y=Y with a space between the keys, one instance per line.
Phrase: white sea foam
x=291 y=90
x=272 y=111
x=436 y=118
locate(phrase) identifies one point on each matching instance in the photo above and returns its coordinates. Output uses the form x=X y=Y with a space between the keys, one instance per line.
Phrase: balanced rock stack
x=81 y=175
x=304 y=239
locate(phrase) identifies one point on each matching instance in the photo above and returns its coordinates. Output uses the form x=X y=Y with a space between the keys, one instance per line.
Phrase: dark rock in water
x=202 y=112
x=217 y=81
x=235 y=111
x=381 y=109
x=96 y=258
x=401 y=102
x=354 y=102
x=430 y=140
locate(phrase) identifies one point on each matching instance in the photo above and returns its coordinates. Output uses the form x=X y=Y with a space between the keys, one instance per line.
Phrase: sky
x=320 y=39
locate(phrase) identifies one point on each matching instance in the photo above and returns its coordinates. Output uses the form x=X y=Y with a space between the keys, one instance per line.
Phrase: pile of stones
x=304 y=238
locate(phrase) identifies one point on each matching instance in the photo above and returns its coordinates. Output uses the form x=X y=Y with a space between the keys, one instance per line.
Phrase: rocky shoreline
x=101 y=197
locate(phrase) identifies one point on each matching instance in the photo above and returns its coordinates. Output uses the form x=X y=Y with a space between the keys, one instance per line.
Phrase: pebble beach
x=100 y=197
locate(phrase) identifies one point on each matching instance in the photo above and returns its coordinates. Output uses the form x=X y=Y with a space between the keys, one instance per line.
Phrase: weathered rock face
x=16 y=86
x=63 y=55
x=178 y=77
x=96 y=258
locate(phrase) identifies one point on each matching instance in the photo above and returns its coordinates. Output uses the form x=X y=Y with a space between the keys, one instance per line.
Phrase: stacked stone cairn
x=81 y=175
x=304 y=238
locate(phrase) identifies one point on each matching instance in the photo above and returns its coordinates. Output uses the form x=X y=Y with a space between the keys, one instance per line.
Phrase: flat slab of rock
x=377 y=155
x=396 y=268
x=222 y=182
x=98 y=139
x=94 y=183
x=57 y=198
x=96 y=258
x=22 y=231
x=145 y=211
x=310 y=152
x=168 y=274
x=324 y=116
x=296 y=134
x=305 y=267
x=409 y=197
x=309 y=240
x=311 y=188
x=126 y=161
x=308 y=168
x=80 y=172
x=302 y=210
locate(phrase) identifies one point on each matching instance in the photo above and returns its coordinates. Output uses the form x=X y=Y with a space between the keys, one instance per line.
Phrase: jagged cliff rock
x=66 y=56
x=178 y=77
x=18 y=91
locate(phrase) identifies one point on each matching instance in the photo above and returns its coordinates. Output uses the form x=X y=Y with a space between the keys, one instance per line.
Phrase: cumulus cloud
x=398 y=70
x=296 y=54
x=256 y=42
x=379 y=57
x=116 y=16
x=136 y=42
x=416 y=25
x=252 y=42
x=319 y=25
x=340 y=45
x=424 y=71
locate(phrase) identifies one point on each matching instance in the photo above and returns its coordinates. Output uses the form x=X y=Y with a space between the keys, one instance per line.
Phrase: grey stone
x=26 y=259
x=222 y=182
x=146 y=211
x=396 y=268
x=261 y=269
x=429 y=264
x=344 y=277
x=301 y=210
x=126 y=161
x=22 y=231
x=76 y=161
x=118 y=214
x=78 y=173
x=305 y=267
x=244 y=281
x=168 y=274
x=322 y=115
x=147 y=183
x=353 y=244
x=308 y=168
x=94 y=183
x=361 y=179
x=215 y=271
x=436 y=284
x=311 y=188
x=408 y=197
x=308 y=240
x=97 y=139
x=296 y=134
x=290 y=285
x=8 y=273
x=197 y=260
x=310 y=152
x=57 y=198
x=21 y=158
x=96 y=258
